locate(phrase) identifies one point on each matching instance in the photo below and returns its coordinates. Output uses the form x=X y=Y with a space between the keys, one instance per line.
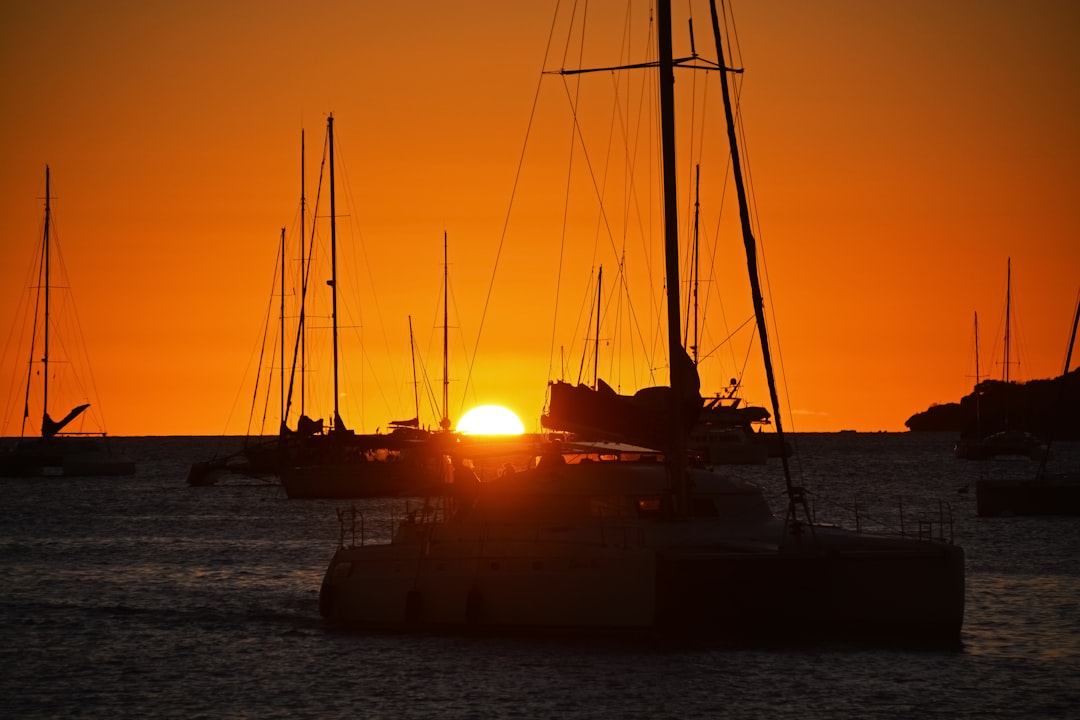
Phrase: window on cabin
x=650 y=506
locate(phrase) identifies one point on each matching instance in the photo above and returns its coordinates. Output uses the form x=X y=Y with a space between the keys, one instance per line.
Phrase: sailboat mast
x=1008 y=314
x=1072 y=338
x=333 y=268
x=303 y=282
x=45 y=357
x=978 y=406
x=696 y=270
x=680 y=382
x=281 y=373
x=751 y=247
x=596 y=344
x=976 y=348
x=415 y=384
x=445 y=422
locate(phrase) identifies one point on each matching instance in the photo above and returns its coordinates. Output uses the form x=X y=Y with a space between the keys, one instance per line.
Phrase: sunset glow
x=490 y=420
x=899 y=152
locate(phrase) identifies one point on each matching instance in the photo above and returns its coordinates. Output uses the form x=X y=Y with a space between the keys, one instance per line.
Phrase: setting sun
x=490 y=420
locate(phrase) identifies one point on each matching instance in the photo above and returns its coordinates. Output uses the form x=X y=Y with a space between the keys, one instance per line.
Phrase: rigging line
x=732 y=35
x=305 y=283
x=513 y=193
x=33 y=335
x=73 y=328
x=620 y=114
x=297 y=338
x=429 y=389
x=362 y=258
x=728 y=339
x=715 y=251
x=465 y=387
x=16 y=331
x=602 y=206
x=601 y=221
x=81 y=349
x=628 y=157
x=752 y=261
x=597 y=191
x=262 y=354
x=572 y=145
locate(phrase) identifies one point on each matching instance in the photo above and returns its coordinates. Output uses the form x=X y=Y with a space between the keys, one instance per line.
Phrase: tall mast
x=750 y=246
x=303 y=282
x=679 y=376
x=978 y=411
x=1008 y=314
x=445 y=422
x=281 y=373
x=696 y=271
x=976 y=348
x=416 y=386
x=45 y=357
x=1072 y=338
x=596 y=345
x=299 y=347
x=333 y=269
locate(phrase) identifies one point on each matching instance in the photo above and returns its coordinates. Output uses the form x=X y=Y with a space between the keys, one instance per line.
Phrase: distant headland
x=1048 y=408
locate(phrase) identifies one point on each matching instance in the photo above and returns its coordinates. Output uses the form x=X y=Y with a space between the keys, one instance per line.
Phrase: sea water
x=144 y=597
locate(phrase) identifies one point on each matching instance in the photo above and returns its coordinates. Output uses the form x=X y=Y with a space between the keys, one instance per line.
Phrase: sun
x=490 y=420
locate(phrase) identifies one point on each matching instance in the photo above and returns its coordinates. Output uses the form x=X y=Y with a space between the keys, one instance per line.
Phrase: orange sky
x=900 y=152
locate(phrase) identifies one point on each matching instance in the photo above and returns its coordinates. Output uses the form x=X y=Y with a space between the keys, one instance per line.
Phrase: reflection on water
x=142 y=596
x=1021 y=616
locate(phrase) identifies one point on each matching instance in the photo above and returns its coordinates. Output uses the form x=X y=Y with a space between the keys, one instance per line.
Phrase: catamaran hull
x=51 y=462
x=1055 y=495
x=911 y=594
x=813 y=591
x=393 y=587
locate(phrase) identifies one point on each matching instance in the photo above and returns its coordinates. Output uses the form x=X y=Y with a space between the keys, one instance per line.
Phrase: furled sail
x=643 y=418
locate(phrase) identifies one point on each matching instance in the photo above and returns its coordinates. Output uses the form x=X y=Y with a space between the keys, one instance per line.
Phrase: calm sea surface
x=143 y=597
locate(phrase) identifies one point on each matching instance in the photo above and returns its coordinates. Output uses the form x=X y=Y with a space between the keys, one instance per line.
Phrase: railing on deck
x=349 y=517
x=928 y=529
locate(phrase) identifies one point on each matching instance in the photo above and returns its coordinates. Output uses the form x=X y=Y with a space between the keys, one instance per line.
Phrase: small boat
x=341 y=464
x=1001 y=438
x=1047 y=493
x=57 y=451
x=320 y=459
x=997 y=444
x=629 y=535
x=399 y=463
x=724 y=433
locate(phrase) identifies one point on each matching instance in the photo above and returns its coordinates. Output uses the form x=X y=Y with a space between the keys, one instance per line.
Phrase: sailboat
x=57 y=451
x=994 y=434
x=1047 y=493
x=340 y=463
x=262 y=456
x=626 y=534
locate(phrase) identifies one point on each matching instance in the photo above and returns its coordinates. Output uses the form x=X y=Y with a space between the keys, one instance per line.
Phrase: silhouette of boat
x=320 y=460
x=627 y=534
x=724 y=433
x=1047 y=493
x=978 y=443
x=341 y=464
x=56 y=451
